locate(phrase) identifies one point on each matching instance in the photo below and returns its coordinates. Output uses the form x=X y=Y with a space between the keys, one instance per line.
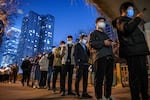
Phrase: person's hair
x=100 y=18
x=124 y=6
x=69 y=36
x=82 y=36
x=62 y=42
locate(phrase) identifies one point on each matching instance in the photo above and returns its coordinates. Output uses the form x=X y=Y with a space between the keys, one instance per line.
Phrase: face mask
x=69 y=42
x=62 y=45
x=46 y=55
x=84 y=41
x=53 y=50
x=101 y=25
x=130 y=13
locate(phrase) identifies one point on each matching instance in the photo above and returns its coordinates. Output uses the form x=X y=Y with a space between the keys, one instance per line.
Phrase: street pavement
x=15 y=91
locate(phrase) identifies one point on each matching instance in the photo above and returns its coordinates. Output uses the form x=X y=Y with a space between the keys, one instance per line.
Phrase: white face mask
x=46 y=55
x=84 y=41
x=62 y=45
x=101 y=25
x=69 y=42
x=53 y=50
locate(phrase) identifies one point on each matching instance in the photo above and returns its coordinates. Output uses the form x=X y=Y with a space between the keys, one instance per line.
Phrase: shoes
x=34 y=86
x=99 y=99
x=60 y=91
x=44 y=87
x=54 y=90
x=77 y=94
x=28 y=84
x=22 y=83
x=71 y=93
x=63 y=94
x=48 y=87
x=110 y=98
x=38 y=86
x=86 y=95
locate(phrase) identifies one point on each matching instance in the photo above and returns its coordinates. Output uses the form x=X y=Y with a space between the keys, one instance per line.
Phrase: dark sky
x=71 y=16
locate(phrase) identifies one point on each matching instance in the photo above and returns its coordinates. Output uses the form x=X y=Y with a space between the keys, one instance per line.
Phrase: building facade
x=8 y=49
x=36 y=35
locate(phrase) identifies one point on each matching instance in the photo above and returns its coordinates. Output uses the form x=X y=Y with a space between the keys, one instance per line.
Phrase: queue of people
x=69 y=56
x=61 y=61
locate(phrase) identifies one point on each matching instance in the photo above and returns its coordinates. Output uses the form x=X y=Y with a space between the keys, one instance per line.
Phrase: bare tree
x=8 y=11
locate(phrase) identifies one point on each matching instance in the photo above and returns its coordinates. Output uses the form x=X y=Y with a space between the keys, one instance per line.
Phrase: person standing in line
x=81 y=56
x=133 y=48
x=68 y=65
x=57 y=65
x=36 y=73
x=43 y=62
x=26 y=68
x=103 y=60
x=14 y=73
x=50 y=68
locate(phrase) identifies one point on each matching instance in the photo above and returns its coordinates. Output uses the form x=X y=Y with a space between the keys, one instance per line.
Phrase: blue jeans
x=49 y=74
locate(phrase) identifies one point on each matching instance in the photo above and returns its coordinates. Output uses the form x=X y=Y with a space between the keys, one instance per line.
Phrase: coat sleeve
x=127 y=26
x=75 y=54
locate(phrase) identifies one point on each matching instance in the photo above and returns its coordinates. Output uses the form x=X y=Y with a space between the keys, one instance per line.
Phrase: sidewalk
x=18 y=92
x=15 y=91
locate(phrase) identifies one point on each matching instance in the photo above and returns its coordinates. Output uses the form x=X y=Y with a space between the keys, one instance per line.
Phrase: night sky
x=71 y=16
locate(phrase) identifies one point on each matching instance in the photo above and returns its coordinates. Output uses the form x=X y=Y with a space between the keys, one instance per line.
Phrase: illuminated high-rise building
x=9 y=47
x=36 y=34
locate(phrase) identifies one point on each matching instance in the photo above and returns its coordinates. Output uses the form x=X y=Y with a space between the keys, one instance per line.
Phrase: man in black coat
x=81 y=55
x=103 y=60
x=26 y=68
x=133 y=48
x=50 y=69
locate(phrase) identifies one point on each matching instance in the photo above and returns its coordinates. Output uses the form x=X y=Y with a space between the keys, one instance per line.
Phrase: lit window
x=49 y=26
x=35 y=49
x=35 y=40
x=43 y=27
x=49 y=33
x=33 y=31
x=39 y=18
x=30 y=31
x=48 y=42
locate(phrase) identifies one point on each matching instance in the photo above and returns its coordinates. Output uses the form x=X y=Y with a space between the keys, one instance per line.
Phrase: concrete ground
x=15 y=91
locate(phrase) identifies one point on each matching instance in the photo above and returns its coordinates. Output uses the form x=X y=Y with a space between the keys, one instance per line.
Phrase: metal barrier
x=124 y=75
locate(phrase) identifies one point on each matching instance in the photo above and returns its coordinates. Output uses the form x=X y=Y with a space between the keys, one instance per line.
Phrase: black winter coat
x=131 y=38
x=96 y=42
x=81 y=56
